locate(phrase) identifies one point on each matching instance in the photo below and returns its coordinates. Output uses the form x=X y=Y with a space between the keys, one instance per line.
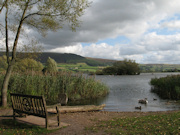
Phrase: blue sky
x=147 y=31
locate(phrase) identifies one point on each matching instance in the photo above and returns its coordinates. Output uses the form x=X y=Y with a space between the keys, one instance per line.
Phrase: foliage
x=51 y=66
x=76 y=86
x=22 y=64
x=3 y=63
x=167 y=87
x=11 y=127
x=126 y=67
x=144 y=125
x=28 y=64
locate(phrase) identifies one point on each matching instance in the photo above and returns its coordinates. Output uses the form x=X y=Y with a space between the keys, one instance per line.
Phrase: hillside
x=69 y=58
x=61 y=57
x=107 y=61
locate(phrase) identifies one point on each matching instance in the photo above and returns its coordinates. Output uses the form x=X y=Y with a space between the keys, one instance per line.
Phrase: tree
x=51 y=66
x=42 y=15
x=28 y=64
x=125 y=67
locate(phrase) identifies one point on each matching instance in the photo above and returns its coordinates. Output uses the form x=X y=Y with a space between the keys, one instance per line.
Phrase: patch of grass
x=12 y=127
x=78 y=67
x=152 y=124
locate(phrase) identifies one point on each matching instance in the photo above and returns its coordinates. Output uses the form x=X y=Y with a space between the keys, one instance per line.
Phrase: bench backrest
x=29 y=104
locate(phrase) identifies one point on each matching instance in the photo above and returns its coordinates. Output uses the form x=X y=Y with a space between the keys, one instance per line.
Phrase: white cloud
x=142 y=21
x=173 y=25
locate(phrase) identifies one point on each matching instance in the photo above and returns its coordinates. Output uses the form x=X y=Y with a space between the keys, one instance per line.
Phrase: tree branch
x=4 y=3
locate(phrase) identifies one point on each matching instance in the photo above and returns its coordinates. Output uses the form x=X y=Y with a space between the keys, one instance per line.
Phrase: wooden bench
x=33 y=105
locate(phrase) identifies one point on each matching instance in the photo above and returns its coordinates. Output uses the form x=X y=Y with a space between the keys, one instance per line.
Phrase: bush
x=126 y=67
x=51 y=66
x=76 y=86
x=28 y=64
x=167 y=87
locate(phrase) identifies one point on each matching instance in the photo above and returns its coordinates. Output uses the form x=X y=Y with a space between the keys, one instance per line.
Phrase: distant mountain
x=102 y=60
x=61 y=57
x=73 y=58
x=70 y=58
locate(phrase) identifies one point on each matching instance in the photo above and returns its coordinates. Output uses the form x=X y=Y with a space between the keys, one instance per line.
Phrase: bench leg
x=58 y=117
x=47 y=124
x=14 y=115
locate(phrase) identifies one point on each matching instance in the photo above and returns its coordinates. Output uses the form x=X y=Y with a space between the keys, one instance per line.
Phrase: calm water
x=126 y=90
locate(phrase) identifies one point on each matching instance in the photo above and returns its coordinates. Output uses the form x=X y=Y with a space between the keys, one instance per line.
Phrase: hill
x=61 y=57
x=69 y=58
x=107 y=61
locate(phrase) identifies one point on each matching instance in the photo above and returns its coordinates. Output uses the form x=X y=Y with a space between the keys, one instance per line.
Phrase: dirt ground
x=81 y=120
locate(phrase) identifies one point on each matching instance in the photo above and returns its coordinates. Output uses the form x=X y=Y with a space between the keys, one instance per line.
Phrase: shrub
x=167 y=87
x=28 y=64
x=51 y=66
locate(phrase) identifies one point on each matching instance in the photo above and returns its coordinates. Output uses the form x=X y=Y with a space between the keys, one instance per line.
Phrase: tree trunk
x=5 y=86
x=70 y=109
x=12 y=62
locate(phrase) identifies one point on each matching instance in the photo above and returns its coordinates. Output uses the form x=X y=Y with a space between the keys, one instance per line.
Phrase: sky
x=147 y=31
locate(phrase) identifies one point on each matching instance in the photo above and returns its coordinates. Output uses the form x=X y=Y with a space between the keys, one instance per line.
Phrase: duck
x=138 y=107
x=143 y=101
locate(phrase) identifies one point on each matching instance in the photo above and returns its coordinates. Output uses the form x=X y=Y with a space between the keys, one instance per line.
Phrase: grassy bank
x=76 y=86
x=12 y=127
x=167 y=87
x=166 y=124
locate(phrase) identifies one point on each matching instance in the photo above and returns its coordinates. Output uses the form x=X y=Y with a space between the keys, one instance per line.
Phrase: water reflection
x=125 y=91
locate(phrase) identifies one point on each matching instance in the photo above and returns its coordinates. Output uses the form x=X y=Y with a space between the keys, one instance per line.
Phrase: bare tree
x=42 y=15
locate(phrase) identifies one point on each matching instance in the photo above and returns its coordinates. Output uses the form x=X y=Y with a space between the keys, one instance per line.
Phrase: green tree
x=42 y=15
x=125 y=67
x=51 y=66
x=28 y=64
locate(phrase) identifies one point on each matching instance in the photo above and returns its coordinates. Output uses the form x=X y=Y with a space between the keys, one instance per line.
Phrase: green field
x=79 y=67
x=83 y=67
x=159 y=67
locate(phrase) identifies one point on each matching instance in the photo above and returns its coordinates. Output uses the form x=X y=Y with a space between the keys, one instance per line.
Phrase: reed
x=76 y=86
x=167 y=87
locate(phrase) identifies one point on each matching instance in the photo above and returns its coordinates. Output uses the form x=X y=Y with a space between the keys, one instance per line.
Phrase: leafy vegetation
x=126 y=67
x=12 y=127
x=51 y=66
x=76 y=86
x=3 y=63
x=28 y=64
x=167 y=87
x=146 y=125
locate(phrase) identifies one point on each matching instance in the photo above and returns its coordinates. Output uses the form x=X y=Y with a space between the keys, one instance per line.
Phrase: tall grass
x=167 y=87
x=76 y=86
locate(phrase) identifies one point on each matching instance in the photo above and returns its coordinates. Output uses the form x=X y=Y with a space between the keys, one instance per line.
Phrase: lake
x=126 y=90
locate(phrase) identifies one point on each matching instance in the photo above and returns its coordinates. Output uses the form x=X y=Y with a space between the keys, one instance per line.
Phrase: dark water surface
x=126 y=90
